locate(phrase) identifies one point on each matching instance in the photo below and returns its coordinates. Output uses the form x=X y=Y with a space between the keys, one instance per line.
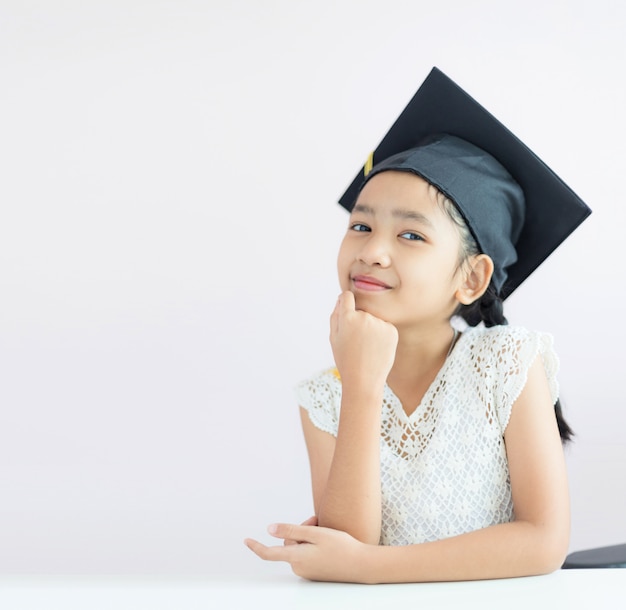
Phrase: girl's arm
x=535 y=543
x=345 y=471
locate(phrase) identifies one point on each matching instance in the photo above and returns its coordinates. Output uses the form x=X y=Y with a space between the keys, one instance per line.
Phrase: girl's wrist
x=359 y=381
x=368 y=565
x=362 y=394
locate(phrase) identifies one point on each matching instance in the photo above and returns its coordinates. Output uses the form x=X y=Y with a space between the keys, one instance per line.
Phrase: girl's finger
x=334 y=317
x=289 y=531
x=268 y=553
x=345 y=305
x=310 y=521
x=347 y=302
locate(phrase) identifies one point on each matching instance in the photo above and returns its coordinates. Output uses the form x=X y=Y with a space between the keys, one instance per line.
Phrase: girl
x=435 y=452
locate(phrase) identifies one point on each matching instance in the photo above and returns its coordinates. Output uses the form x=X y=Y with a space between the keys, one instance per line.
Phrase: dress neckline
x=431 y=392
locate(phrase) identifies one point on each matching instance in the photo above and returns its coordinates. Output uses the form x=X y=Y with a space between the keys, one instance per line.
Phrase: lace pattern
x=443 y=468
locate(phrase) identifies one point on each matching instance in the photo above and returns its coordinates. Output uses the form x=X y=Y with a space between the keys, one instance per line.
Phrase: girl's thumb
x=348 y=303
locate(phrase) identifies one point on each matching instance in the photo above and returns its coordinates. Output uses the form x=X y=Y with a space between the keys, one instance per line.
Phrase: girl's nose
x=374 y=253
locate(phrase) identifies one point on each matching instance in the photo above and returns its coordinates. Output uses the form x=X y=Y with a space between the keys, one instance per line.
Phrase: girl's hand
x=364 y=346
x=310 y=521
x=321 y=553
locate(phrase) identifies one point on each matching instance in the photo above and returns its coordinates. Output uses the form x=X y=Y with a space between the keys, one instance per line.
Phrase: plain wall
x=169 y=226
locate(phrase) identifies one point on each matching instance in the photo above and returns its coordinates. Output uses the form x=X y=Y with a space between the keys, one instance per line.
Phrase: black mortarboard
x=518 y=229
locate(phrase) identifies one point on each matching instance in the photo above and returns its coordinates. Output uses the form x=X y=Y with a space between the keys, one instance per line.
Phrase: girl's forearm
x=352 y=499
x=500 y=551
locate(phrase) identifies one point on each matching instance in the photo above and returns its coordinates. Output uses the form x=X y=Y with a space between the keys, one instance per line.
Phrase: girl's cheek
x=343 y=269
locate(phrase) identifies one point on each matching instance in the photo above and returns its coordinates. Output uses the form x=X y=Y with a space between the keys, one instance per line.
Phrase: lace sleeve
x=320 y=396
x=517 y=350
x=501 y=357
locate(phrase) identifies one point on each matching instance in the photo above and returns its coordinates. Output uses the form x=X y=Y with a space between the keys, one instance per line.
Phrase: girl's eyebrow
x=363 y=209
x=401 y=213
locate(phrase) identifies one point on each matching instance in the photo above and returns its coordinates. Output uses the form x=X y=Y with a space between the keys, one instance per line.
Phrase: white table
x=588 y=589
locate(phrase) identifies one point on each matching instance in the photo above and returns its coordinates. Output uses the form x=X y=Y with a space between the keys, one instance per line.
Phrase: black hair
x=489 y=310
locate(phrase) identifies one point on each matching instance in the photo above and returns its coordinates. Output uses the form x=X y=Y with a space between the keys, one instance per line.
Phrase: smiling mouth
x=368 y=283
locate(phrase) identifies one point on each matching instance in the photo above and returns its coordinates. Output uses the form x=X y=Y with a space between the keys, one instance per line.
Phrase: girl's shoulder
x=320 y=396
x=515 y=339
x=328 y=378
x=504 y=354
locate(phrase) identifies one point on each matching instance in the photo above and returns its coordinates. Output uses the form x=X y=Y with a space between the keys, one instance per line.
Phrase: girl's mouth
x=369 y=283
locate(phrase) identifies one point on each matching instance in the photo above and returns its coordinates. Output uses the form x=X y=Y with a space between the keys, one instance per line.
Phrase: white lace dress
x=444 y=469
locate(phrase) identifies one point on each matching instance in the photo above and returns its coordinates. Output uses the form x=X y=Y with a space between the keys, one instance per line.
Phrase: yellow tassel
x=367 y=168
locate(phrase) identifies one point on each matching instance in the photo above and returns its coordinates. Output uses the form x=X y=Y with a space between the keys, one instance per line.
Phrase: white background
x=169 y=172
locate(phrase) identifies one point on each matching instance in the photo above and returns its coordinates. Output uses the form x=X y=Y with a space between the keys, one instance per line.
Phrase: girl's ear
x=478 y=274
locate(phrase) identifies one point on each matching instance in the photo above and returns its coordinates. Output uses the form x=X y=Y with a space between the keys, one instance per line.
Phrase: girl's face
x=400 y=255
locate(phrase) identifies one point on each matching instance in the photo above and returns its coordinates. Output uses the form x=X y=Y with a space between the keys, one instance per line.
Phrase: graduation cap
x=518 y=210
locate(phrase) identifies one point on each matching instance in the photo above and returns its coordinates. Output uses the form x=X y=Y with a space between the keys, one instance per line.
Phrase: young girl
x=436 y=452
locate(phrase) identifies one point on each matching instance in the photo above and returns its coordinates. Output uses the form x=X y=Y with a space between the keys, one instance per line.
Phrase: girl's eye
x=357 y=226
x=412 y=236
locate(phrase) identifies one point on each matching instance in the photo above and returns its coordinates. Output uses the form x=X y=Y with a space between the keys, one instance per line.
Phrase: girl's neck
x=424 y=345
x=419 y=357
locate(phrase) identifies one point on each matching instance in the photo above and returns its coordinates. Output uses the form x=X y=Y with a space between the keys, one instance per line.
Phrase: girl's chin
x=363 y=304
